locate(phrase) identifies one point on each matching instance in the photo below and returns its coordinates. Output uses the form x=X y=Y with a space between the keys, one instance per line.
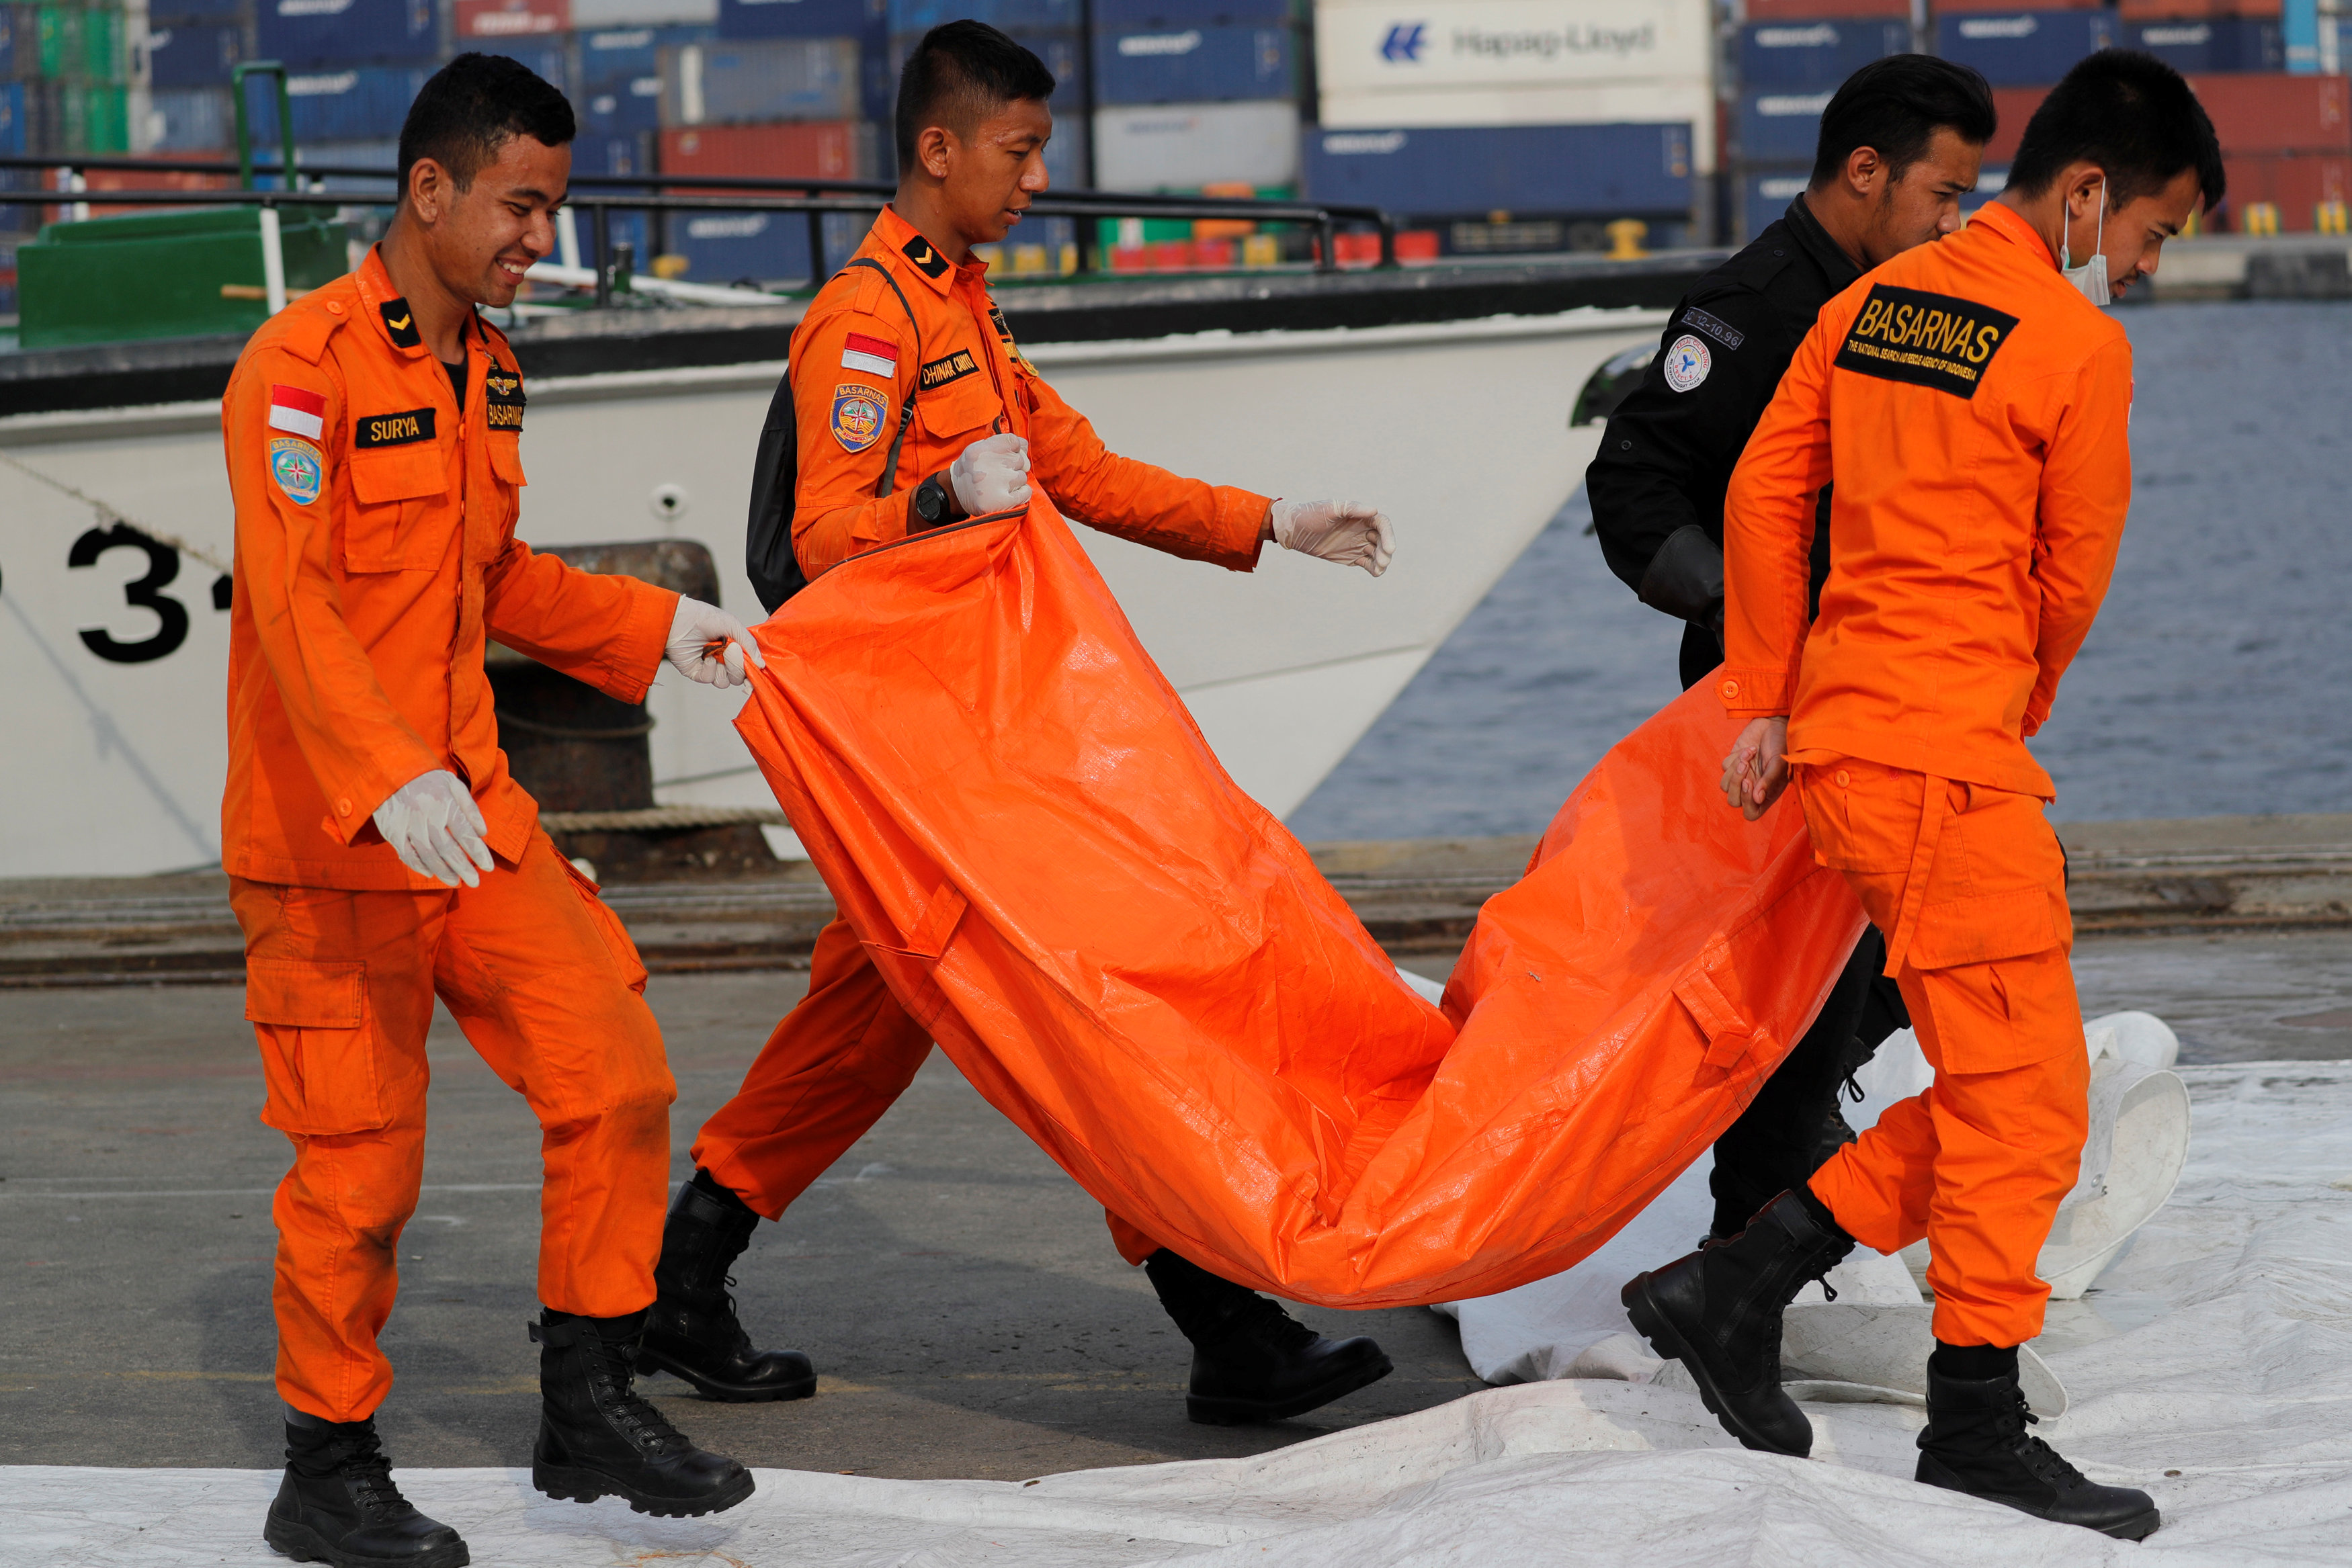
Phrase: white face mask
x=2090 y=277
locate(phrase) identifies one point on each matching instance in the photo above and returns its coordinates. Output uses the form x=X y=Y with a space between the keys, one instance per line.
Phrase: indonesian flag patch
x=875 y=356
x=300 y=412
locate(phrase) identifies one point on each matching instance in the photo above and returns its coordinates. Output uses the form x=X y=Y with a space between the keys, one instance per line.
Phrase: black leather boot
x=1976 y=1442
x=1717 y=1312
x=598 y=1437
x=338 y=1505
x=691 y=1329
x=1251 y=1360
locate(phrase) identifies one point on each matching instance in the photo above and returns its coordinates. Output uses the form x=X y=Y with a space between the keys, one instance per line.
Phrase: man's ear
x=429 y=190
x=933 y=149
x=1863 y=168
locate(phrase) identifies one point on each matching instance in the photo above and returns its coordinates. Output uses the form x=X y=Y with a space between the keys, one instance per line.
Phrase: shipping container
x=358 y=103
x=804 y=19
x=617 y=155
x=1014 y=16
x=175 y=11
x=15 y=142
x=1765 y=195
x=2274 y=114
x=612 y=55
x=2292 y=185
x=193 y=54
x=644 y=12
x=1780 y=125
x=67 y=42
x=1135 y=16
x=304 y=34
x=1804 y=57
x=376 y=152
x=814 y=150
x=731 y=83
x=1063 y=54
x=2013 y=107
x=1954 y=7
x=1069 y=164
x=2190 y=44
x=2018 y=48
x=1184 y=146
x=1194 y=65
x=1600 y=171
x=500 y=19
x=188 y=120
x=2159 y=10
x=758 y=249
x=1481 y=45
x=1807 y=10
x=620 y=108
x=18 y=27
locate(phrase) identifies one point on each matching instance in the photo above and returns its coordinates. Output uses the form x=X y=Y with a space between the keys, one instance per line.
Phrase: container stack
x=1196 y=97
x=1513 y=125
x=191 y=48
x=1790 y=58
x=64 y=72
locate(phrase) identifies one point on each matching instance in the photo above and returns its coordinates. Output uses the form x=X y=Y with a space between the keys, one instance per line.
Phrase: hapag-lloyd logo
x=1587 y=40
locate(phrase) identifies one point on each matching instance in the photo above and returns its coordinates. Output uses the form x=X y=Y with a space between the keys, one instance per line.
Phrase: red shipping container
x=1948 y=7
x=1830 y=10
x=2014 y=106
x=807 y=150
x=2167 y=10
x=2273 y=112
x=153 y=180
x=2294 y=185
x=512 y=18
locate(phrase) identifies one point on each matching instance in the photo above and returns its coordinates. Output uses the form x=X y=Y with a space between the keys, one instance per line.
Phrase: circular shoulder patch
x=857 y=414
x=1687 y=362
x=295 y=466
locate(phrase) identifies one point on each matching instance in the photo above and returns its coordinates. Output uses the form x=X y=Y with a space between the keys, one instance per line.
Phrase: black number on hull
x=163 y=566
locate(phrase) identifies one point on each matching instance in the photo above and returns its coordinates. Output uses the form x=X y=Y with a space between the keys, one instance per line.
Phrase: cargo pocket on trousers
x=608 y=924
x=1995 y=974
x=1730 y=1038
x=320 y=1055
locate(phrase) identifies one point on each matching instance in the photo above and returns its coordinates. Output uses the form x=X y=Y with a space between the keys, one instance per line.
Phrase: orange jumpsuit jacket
x=857 y=354
x=375 y=552
x=1975 y=409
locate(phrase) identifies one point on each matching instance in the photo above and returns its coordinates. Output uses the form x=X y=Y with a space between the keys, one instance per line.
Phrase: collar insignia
x=929 y=262
x=401 y=322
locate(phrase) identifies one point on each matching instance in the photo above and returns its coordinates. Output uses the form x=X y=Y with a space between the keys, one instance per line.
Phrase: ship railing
x=599 y=196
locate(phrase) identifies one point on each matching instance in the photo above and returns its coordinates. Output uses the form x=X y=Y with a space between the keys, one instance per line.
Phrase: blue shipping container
x=612 y=55
x=171 y=12
x=1140 y=15
x=358 y=103
x=193 y=54
x=620 y=108
x=1780 y=125
x=14 y=125
x=549 y=62
x=619 y=154
x=1601 y=171
x=1798 y=57
x=198 y=119
x=2023 y=49
x=1765 y=195
x=802 y=19
x=2211 y=43
x=1063 y=54
x=15 y=21
x=758 y=247
x=1014 y=16
x=1194 y=65
x=306 y=33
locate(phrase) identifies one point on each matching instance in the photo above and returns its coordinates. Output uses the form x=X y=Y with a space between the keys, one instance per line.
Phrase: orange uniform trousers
x=547 y=985
x=831 y=1069
x=1969 y=884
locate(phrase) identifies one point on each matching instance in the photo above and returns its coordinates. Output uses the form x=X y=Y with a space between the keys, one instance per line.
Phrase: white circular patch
x=1687 y=363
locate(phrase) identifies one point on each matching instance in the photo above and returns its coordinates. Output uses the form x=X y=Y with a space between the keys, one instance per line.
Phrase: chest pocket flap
x=960 y=408
x=506 y=457
x=398 y=473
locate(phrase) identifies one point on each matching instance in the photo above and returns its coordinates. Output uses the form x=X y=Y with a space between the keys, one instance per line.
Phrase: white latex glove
x=695 y=635
x=433 y=825
x=1342 y=531
x=991 y=475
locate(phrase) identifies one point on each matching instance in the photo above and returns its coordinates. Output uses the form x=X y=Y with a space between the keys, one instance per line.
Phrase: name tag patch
x=504 y=404
x=954 y=368
x=1715 y=327
x=857 y=416
x=1934 y=340
x=393 y=429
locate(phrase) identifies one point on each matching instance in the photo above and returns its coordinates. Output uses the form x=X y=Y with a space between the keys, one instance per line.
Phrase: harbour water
x=2213 y=685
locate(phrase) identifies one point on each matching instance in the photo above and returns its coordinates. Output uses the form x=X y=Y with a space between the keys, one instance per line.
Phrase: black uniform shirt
x=1666 y=457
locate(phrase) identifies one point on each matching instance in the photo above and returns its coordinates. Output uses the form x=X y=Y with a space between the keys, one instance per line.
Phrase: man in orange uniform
x=1974 y=407
x=910 y=406
x=380 y=854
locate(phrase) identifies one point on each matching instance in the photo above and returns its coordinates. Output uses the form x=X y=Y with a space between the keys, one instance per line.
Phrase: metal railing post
x=1327 y=234
x=816 y=248
x=603 y=227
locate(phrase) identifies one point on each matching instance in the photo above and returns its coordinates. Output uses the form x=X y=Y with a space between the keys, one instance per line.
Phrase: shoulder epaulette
x=307 y=323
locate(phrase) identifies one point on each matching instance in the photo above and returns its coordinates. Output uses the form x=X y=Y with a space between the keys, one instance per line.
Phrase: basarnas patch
x=505 y=403
x=857 y=414
x=297 y=466
x=1687 y=362
x=1936 y=340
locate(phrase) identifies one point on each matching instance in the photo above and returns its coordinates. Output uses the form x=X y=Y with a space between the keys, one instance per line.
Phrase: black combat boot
x=597 y=1437
x=1251 y=1360
x=338 y=1505
x=1976 y=1442
x=1717 y=1312
x=691 y=1331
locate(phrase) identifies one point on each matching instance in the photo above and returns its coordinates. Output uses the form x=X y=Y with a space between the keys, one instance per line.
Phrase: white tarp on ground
x=2212 y=1365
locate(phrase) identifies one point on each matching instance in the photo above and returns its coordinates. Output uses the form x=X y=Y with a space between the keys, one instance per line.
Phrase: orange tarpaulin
x=1135 y=963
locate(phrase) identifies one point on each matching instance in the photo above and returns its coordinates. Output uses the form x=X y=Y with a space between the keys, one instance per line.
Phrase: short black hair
x=958 y=73
x=471 y=106
x=1894 y=106
x=2132 y=115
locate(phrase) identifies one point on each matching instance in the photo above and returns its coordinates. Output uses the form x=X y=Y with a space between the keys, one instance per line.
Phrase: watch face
x=930 y=502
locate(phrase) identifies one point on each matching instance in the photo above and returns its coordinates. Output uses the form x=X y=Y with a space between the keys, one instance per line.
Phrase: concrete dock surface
x=959 y=1294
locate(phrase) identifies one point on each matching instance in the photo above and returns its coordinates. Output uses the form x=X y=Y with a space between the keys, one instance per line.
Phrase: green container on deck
x=161 y=275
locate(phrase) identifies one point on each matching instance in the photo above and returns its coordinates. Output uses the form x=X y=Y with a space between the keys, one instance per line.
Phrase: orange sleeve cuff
x=1752 y=693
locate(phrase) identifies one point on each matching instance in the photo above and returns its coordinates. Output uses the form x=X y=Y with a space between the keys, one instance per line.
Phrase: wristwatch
x=934 y=503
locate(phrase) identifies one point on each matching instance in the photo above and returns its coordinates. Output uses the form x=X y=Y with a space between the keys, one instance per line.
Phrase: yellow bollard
x=1261 y=250
x=2328 y=218
x=1625 y=238
x=2260 y=218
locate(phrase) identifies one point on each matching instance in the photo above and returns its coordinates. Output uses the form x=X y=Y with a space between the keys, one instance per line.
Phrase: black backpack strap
x=768 y=556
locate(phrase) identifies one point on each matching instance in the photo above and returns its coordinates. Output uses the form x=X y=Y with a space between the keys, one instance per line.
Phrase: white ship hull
x=1458 y=430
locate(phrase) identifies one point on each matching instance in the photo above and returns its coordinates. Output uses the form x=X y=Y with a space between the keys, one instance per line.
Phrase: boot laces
x=2047 y=1463
x=1264 y=1319
x=366 y=1471
x=609 y=1384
